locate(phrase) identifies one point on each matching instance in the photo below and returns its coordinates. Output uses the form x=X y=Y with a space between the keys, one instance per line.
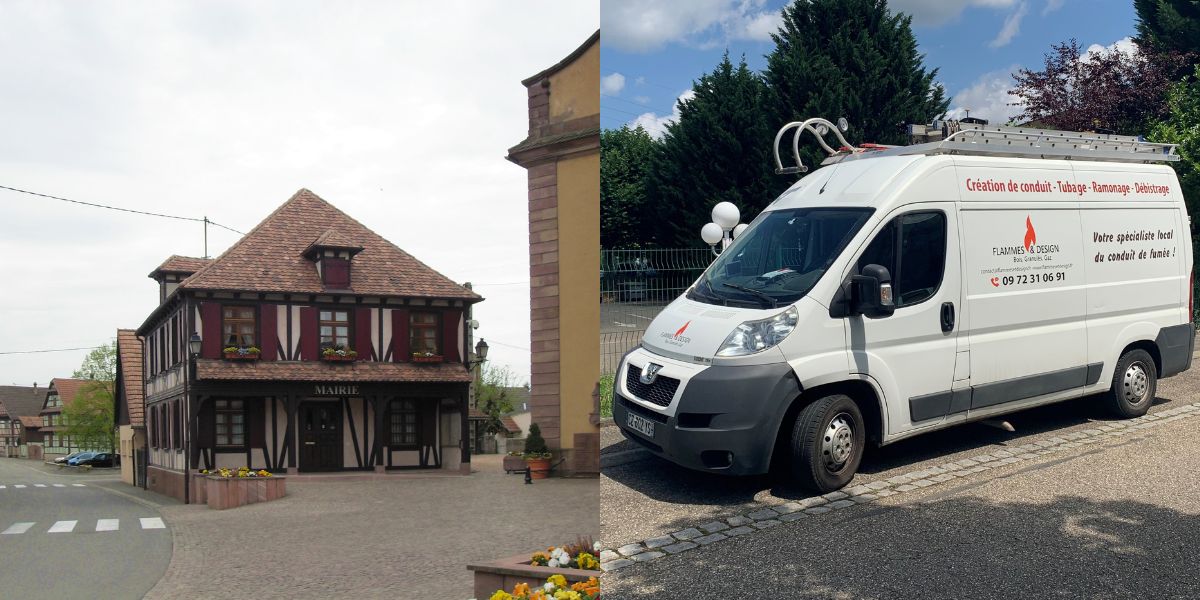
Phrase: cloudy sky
x=398 y=113
x=652 y=51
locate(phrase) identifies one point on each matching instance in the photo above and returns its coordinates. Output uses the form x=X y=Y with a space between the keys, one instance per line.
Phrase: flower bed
x=418 y=357
x=338 y=354
x=226 y=488
x=576 y=565
x=556 y=587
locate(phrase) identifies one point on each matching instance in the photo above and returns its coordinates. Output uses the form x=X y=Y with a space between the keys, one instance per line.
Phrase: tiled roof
x=129 y=355
x=332 y=239
x=270 y=257
x=19 y=400
x=68 y=388
x=31 y=422
x=509 y=423
x=360 y=371
x=181 y=264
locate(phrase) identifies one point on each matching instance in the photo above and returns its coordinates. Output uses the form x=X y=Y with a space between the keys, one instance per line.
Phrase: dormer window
x=333 y=255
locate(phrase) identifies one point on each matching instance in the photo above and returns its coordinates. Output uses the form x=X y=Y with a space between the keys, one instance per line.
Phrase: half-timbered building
x=55 y=439
x=312 y=344
x=17 y=402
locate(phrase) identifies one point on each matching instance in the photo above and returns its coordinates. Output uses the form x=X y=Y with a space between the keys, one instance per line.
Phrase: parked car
x=74 y=460
x=62 y=460
x=98 y=459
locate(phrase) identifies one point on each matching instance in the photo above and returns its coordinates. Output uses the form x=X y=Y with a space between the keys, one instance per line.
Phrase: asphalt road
x=1114 y=519
x=63 y=535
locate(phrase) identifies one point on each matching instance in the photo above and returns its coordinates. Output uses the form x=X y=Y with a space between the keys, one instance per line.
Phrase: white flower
x=549 y=587
x=596 y=546
x=553 y=563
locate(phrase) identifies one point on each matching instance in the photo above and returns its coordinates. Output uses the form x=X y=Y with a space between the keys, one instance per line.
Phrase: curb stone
x=768 y=516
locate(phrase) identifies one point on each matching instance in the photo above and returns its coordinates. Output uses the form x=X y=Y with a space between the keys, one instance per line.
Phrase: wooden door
x=320 y=436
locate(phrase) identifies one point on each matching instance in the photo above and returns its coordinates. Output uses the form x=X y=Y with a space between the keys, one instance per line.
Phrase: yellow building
x=562 y=156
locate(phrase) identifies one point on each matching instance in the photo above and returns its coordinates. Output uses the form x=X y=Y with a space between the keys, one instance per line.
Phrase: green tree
x=1165 y=26
x=1182 y=127
x=624 y=160
x=718 y=150
x=89 y=417
x=493 y=396
x=853 y=59
x=100 y=365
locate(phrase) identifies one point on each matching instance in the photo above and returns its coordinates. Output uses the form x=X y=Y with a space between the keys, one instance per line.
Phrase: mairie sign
x=335 y=390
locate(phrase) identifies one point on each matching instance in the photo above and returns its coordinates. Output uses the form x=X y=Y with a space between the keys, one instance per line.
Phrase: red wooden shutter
x=400 y=341
x=310 y=341
x=210 y=314
x=450 y=341
x=336 y=271
x=256 y=423
x=362 y=332
x=268 y=335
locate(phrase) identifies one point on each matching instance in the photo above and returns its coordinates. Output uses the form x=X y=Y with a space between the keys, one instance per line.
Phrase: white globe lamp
x=739 y=229
x=711 y=234
x=726 y=215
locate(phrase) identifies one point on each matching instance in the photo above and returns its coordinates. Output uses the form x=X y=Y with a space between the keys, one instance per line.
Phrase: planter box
x=539 y=468
x=513 y=464
x=231 y=492
x=428 y=359
x=239 y=356
x=505 y=573
x=338 y=358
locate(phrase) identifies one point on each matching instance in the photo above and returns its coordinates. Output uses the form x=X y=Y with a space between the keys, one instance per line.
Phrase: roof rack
x=971 y=138
x=979 y=139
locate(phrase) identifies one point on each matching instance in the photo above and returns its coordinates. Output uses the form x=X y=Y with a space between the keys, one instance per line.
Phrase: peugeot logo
x=650 y=373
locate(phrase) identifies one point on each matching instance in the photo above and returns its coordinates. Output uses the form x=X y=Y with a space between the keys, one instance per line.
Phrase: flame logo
x=1030 y=234
x=682 y=329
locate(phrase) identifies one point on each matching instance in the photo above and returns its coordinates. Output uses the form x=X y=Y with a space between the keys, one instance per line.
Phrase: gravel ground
x=1113 y=519
x=398 y=538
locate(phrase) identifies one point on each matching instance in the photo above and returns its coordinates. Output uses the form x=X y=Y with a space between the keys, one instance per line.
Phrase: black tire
x=1134 y=384
x=814 y=435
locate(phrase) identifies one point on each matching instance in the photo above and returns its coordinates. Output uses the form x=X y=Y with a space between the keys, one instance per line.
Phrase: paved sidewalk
x=402 y=538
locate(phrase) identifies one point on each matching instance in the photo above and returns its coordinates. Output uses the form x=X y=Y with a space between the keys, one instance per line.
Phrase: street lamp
x=194 y=344
x=724 y=227
x=481 y=352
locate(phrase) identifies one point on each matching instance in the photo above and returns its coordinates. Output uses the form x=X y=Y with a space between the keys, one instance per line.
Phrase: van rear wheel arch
x=1150 y=347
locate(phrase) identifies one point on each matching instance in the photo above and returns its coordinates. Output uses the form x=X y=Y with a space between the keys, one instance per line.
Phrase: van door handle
x=947 y=316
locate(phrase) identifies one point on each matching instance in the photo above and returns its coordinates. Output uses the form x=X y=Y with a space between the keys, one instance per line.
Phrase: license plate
x=640 y=424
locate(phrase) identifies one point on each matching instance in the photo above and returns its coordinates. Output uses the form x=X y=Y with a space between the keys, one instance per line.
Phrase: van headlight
x=756 y=336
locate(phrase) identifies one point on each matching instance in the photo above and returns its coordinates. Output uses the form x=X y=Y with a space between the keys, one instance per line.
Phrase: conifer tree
x=853 y=59
x=718 y=150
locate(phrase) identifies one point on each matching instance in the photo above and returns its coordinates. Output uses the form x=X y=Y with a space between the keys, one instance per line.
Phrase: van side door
x=910 y=354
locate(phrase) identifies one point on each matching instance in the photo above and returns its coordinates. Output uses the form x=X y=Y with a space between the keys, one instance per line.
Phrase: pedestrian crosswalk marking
x=3 y=486
x=108 y=524
x=60 y=485
x=78 y=485
x=39 y=485
x=17 y=528
x=62 y=527
x=19 y=485
x=152 y=523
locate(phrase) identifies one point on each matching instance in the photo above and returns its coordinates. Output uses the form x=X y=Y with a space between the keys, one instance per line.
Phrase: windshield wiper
x=771 y=303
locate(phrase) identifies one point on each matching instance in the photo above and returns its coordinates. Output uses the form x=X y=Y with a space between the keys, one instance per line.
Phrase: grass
x=606 y=395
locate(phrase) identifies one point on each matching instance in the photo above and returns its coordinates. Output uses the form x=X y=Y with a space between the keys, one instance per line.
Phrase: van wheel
x=827 y=443
x=1134 y=384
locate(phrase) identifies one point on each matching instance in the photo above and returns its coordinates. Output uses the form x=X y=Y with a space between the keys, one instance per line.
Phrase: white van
x=907 y=289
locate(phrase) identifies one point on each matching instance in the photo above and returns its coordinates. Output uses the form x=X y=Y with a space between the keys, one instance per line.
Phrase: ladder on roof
x=955 y=137
x=985 y=140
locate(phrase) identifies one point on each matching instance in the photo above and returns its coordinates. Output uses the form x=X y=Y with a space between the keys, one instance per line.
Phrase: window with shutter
x=336 y=271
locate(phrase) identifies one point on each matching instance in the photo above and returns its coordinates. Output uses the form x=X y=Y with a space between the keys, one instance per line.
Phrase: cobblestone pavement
x=724 y=531
x=401 y=538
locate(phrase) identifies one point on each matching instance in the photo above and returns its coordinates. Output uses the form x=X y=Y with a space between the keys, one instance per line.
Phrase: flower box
x=241 y=356
x=339 y=357
x=506 y=573
x=539 y=468
x=436 y=358
x=231 y=492
x=513 y=464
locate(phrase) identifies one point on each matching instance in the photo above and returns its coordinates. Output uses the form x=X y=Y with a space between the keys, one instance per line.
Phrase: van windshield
x=780 y=257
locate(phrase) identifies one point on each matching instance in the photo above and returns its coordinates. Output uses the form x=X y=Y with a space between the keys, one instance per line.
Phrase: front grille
x=661 y=392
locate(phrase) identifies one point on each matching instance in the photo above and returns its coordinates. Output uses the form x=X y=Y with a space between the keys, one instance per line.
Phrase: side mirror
x=871 y=292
